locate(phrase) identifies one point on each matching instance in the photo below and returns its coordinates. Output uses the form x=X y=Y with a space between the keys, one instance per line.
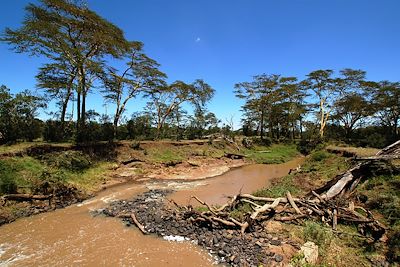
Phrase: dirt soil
x=138 y=165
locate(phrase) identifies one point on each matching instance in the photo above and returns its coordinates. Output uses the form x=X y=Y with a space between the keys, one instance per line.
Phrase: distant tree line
x=344 y=107
x=85 y=53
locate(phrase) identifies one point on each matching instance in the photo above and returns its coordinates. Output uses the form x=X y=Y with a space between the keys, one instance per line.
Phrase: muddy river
x=72 y=237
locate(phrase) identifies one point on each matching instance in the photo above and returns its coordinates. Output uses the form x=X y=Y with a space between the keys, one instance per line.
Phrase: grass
x=165 y=155
x=19 y=147
x=91 y=178
x=279 y=189
x=383 y=196
x=318 y=168
x=277 y=153
x=25 y=174
x=359 y=151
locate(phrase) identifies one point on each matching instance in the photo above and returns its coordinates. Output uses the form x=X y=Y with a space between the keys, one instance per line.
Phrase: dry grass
x=357 y=151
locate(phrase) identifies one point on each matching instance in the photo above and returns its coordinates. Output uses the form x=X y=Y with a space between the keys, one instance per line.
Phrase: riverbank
x=68 y=174
x=274 y=242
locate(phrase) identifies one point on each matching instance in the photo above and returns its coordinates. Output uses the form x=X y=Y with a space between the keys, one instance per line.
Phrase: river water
x=72 y=237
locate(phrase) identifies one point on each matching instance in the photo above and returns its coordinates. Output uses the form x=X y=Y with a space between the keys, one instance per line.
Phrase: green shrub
x=265 y=141
x=7 y=182
x=305 y=147
x=319 y=155
x=69 y=160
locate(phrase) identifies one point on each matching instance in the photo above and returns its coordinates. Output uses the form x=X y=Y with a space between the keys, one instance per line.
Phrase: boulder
x=310 y=251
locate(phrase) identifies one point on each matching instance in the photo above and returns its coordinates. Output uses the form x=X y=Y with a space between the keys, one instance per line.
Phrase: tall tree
x=167 y=99
x=65 y=31
x=350 y=110
x=261 y=95
x=58 y=79
x=293 y=103
x=141 y=74
x=387 y=101
x=326 y=90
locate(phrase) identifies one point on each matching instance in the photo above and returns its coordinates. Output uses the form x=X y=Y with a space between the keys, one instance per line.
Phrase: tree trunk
x=115 y=126
x=262 y=124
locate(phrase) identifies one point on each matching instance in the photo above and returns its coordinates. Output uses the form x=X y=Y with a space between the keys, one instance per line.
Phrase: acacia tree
x=352 y=106
x=326 y=90
x=167 y=99
x=70 y=32
x=57 y=79
x=350 y=110
x=261 y=95
x=387 y=101
x=141 y=74
x=292 y=103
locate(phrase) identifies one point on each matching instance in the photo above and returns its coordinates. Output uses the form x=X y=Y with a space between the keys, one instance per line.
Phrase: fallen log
x=26 y=197
x=266 y=207
x=234 y=156
x=291 y=201
x=290 y=218
x=344 y=184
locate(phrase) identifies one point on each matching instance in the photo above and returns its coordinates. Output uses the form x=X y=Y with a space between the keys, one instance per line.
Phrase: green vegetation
x=27 y=174
x=277 y=153
x=279 y=189
x=318 y=234
x=318 y=168
x=166 y=155
x=380 y=194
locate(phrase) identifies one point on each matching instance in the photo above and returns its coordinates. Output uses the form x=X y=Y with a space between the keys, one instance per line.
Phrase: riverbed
x=73 y=237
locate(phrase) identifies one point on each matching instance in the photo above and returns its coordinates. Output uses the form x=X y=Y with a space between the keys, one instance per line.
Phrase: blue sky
x=229 y=41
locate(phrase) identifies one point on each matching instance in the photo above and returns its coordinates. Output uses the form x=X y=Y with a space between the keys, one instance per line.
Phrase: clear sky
x=229 y=41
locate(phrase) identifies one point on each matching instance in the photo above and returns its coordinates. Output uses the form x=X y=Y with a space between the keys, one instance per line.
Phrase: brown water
x=72 y=237
x=246 y=179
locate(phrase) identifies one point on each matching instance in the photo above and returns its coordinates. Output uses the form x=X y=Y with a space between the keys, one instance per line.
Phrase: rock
x=273 y=227
x=310 y=251
x=278 y=258
x=275 y=242
x=221 y=253
x=258 y=243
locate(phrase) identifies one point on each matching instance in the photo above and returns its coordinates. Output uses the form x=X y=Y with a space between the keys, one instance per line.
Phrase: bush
x=305 y=147
x=319 y=155
x=53 y=132
x=7 y=183
x=69 y=160
x=266 y=141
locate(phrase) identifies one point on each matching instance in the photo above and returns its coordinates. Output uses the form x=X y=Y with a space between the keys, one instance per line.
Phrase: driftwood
x=328 y=204
x=326 y=211
x=138 y=224
x=344 y=184
x=133 y=218
x=26 y=197
x=234 y=156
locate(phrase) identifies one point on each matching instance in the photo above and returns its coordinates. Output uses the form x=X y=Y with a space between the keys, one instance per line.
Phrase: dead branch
x=291 y=201
x=138 y=224
x=266 y=207
x=290 y=218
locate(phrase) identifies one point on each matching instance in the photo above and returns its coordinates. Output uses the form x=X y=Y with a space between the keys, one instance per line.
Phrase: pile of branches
x=331 y=204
